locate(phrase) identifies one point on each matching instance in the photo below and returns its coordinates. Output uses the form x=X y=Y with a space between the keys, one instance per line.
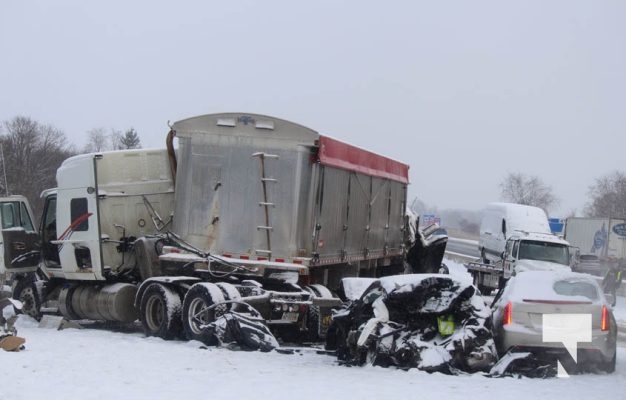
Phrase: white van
x=500 y=221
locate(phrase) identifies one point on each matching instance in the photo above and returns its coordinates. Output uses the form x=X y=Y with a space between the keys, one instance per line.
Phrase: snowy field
x=99 y=364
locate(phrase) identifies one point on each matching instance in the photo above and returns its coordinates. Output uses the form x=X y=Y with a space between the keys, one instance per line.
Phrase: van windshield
x=542 y=251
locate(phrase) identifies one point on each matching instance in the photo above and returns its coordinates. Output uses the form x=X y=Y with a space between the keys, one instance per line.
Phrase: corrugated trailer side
x=239 y=185
x=358 y=212
x=259 y=188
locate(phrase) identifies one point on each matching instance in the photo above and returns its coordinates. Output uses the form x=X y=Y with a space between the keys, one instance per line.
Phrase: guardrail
x=462 y=258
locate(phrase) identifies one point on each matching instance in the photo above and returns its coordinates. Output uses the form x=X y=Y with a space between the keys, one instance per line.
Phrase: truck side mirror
x=504 y=227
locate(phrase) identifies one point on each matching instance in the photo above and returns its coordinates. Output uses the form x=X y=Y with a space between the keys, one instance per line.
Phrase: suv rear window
x=576 y=288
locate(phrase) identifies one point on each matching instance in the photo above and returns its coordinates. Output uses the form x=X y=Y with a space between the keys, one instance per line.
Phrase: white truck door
x=510 y=256
x=19 y=249
x=78 y=236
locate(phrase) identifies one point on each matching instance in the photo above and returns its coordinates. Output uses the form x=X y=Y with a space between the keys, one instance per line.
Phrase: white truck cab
x=98 y=204
x=534 y=251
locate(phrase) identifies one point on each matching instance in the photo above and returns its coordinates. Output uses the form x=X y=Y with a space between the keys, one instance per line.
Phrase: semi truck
x=604 y=238
x=515 y=237
x=248 y=210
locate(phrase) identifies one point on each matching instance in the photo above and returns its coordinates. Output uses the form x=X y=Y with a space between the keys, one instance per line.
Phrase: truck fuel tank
x=109 y=303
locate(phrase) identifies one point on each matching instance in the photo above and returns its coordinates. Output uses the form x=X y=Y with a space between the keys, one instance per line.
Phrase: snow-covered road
x=99 y=364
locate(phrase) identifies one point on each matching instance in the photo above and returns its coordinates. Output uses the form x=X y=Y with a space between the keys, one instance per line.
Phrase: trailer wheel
x=26 y=292
x=230 y=292
x=195 y=317
x=314 y=312
x=160 y=312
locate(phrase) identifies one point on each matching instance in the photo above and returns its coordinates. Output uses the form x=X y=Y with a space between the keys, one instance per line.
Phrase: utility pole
x=4 y=170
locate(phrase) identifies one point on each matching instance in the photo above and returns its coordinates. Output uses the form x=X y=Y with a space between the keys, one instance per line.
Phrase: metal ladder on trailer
x=266 y=203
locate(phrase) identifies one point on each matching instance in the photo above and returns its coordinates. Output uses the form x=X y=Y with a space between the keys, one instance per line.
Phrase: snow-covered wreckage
x=432 y=322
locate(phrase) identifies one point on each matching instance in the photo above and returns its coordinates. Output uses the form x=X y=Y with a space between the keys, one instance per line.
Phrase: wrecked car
x=427 y=247
x=432 y=322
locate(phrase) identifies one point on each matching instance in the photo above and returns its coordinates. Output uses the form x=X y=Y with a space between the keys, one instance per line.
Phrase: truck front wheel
x=26 y=292
x=160 y=312
x=196 y=313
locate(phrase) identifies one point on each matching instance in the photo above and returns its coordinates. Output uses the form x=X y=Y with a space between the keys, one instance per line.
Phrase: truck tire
x=230 y=292
x=26 y=292
x=314 y=313
x=200 y=296
x=160 y=310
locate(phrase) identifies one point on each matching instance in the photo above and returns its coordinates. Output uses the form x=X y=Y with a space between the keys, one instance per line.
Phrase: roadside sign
x=429 y=219
x=556 y=225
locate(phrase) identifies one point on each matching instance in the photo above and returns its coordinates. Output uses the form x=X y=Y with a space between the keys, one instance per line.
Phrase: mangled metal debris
x=238 y=326
x=431 y=322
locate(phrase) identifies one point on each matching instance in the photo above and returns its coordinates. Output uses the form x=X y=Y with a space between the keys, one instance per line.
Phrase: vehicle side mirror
x=504 y=227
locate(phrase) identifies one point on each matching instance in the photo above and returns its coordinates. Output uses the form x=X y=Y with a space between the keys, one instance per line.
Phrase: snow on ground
x=100 y=364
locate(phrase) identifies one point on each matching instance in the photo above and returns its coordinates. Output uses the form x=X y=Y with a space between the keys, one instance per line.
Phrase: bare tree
x=608 y=196
x=115 y=139
x=528 y=190
x=98 y=140
x=32 y=153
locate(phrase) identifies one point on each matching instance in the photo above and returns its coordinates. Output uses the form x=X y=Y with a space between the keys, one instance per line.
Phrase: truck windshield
x=542 y=251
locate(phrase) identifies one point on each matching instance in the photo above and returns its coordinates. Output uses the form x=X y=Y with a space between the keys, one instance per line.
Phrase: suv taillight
x=604 y=322
x=507 y=317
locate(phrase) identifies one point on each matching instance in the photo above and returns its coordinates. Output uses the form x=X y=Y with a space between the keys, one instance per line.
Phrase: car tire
x=160 y=312
x=609 y=366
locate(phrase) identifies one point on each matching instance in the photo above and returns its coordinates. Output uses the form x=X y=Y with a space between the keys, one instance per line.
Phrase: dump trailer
x=250 y=210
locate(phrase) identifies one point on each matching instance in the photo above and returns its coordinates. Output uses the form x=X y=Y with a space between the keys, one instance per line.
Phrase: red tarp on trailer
x=338 y=154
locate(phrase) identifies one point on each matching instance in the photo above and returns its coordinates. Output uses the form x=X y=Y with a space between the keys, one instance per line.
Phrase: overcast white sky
x=463 y=91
